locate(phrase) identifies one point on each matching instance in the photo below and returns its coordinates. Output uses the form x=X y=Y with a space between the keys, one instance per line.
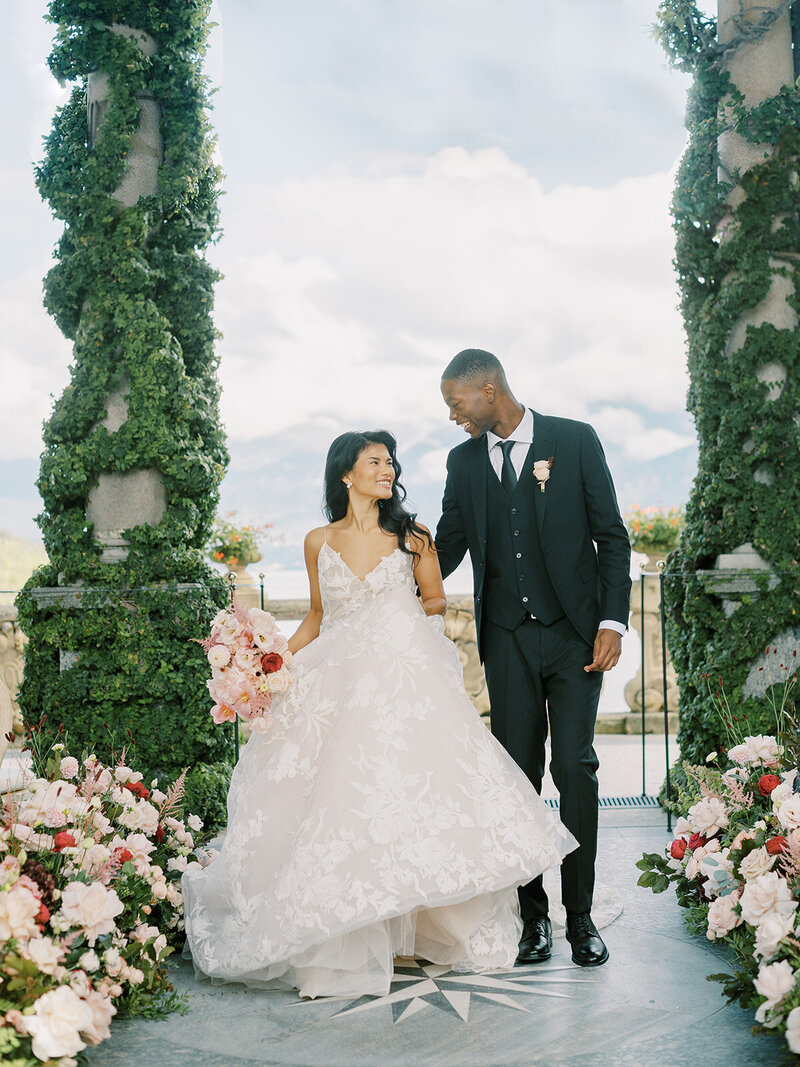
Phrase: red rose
x=160 y=834
x=776 y=845
x=271 y=662
x=121 y=855
x=768 y=782
x=697 y=841
x=42 y=915
x=678 y=848
x=138 y=790
x=64 y=839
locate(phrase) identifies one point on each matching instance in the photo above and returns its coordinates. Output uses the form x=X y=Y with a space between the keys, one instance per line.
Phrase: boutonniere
x=541 y=471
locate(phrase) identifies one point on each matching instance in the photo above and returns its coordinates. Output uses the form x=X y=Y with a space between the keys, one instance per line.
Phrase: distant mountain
x=18 y=559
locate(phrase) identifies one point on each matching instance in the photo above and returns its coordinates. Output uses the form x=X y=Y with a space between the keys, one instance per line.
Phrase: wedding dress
x=377 y=816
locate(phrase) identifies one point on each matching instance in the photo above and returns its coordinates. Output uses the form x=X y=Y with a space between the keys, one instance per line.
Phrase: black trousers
x=535 y=675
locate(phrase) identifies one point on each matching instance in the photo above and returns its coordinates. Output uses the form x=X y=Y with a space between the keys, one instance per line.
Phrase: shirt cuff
x=612 y=624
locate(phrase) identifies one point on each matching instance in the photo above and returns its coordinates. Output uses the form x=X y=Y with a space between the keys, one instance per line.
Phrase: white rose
x=763 y=749
x=194 y=822
x=92 y=907
x=279 y=681
x=90 y=961
x=708 y=816
x=177 y=863
x=140 y=848
x=721 y=916
x=779 y=794
x=774 y=981
x=18 y=911
x=683 y=828
x=58 y=1018
x=44 y=954
x=219 y=655
x=142 y=816
x=773 y=929
x=793 y=1029
x=124 y=774
x=94 y=858
x=159 y=889
x=763 y=894
x=788 y=812
x=135 y=976
x=102 y=1012
x=157 y=797
x=113 y=961
x=756 y=863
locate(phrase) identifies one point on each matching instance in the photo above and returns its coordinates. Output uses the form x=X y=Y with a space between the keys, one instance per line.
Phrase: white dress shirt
x=522 y=436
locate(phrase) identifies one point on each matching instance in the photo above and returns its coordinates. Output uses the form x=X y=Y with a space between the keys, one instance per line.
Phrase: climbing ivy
x=134 y=292
x=746 y=489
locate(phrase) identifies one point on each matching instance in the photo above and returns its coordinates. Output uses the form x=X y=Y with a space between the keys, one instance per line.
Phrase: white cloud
x=345 y=294
x=620 y=426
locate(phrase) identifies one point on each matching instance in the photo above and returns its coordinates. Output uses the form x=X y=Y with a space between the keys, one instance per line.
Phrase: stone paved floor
x=650 y=1004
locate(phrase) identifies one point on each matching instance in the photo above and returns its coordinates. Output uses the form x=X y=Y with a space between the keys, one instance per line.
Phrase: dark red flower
x=42 y=915
x=138 y=790
x=63 y=839
x=678 y=848
x=776 y=845
x=271 y=662
x=160 y=834
x=121 y=855
x=697 y=841
x=768 y=782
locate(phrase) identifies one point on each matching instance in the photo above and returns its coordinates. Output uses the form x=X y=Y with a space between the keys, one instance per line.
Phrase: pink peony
x=708 y=816
x=774 y=981
x=93 y=907
x=18 y=911
x=219 y=655
x=763 y=894
x=58 y=1018
x=69 y=767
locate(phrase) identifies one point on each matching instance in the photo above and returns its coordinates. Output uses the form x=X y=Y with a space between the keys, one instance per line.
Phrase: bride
x=377 y=816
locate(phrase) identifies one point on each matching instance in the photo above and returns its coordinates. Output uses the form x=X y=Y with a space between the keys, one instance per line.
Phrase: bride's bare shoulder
x=315 y=539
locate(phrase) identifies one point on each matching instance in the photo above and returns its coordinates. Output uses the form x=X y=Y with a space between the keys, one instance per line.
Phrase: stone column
x=136 y=497
x=759 y=70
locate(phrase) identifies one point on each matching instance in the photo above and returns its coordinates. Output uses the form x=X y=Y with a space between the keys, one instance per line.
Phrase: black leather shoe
x=536 y=943
x=588 y=947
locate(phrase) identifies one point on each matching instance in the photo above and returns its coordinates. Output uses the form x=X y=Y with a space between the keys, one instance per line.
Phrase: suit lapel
x=544 y=446
x=478 y=471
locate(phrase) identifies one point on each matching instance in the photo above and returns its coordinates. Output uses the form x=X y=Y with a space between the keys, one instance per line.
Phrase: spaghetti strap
x=325 y=533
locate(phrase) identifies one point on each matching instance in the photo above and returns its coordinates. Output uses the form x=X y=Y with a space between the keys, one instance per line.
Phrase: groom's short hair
x=473 y=363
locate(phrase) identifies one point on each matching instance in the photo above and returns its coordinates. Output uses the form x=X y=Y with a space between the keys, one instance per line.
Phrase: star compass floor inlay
x=418 y=986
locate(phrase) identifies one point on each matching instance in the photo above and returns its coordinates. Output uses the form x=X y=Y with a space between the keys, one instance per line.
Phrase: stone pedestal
x=6 y=719
x=12 y=652
x=648 y=626
x=459 y=626
x=248 y=591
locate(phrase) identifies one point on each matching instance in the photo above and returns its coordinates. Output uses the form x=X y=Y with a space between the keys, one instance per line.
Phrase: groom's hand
x=606 y=652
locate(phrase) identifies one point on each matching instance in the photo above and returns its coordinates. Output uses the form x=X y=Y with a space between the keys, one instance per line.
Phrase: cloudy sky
x=404 y=178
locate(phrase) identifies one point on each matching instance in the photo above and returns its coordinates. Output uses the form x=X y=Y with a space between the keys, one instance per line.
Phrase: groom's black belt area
x=517 y=583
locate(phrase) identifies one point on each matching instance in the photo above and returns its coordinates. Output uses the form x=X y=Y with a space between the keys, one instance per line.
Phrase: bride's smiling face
x=373 y=473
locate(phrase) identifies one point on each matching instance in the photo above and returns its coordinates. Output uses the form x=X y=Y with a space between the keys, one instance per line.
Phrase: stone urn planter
x=648 y=626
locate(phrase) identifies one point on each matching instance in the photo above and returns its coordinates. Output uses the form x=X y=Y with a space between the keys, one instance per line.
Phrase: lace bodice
x=344 y=593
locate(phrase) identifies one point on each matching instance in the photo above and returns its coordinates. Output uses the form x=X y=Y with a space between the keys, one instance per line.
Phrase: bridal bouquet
x=249 y=659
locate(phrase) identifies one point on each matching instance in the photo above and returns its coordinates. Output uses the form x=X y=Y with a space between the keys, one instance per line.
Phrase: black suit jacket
x=583 y=538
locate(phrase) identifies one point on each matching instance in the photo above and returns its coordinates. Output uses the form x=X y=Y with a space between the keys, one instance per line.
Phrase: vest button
x=524 y=600
x=522 y=577
x=516 y=533
x=519 y=555
x=513 y=511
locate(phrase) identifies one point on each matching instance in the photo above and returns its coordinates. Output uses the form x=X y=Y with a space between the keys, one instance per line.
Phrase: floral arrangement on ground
x=735 y=865
x=90 y=904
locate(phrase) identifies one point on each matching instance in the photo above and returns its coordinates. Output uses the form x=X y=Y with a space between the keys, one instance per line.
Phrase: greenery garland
x=743 y=430
x=134 y=292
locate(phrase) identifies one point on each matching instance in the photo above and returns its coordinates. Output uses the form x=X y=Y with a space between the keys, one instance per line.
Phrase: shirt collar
x=523 y=433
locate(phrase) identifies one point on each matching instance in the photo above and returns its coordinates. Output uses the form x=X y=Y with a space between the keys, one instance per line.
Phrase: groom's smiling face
x=472 y=404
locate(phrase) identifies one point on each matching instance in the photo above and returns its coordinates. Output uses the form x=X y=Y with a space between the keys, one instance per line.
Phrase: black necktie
x=508 y=477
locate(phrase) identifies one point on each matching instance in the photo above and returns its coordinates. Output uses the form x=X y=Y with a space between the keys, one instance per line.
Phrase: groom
x=531 y=498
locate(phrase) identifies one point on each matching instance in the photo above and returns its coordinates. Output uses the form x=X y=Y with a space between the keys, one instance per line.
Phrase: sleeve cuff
x=612 y=624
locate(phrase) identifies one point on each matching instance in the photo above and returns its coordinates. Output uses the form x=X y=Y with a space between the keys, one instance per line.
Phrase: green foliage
x=134 y=291
x=745 y=491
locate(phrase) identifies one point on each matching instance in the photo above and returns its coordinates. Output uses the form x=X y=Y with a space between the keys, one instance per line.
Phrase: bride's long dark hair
x=392 y=515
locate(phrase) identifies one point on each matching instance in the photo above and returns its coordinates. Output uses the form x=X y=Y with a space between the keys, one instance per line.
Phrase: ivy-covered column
x=134 y=452
x=733 y=583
